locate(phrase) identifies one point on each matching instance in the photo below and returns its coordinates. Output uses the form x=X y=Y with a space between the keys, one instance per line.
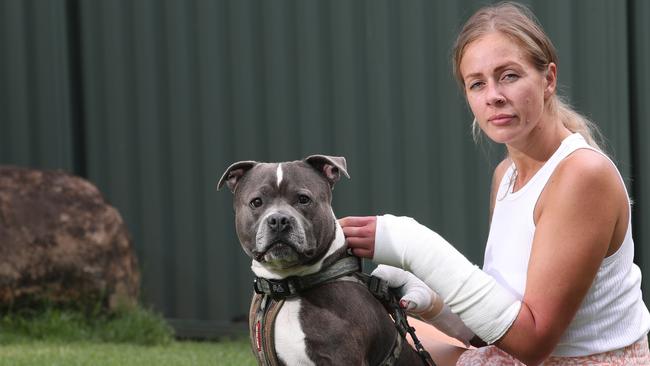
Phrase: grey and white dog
x=285 y=223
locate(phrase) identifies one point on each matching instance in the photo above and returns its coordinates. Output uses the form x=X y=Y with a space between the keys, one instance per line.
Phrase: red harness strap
x=262 y=316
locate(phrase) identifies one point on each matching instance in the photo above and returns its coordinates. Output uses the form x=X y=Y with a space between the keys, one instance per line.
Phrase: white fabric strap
x=481 y=303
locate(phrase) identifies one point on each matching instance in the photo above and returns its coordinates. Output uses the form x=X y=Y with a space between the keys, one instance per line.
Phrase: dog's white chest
x=289 y=337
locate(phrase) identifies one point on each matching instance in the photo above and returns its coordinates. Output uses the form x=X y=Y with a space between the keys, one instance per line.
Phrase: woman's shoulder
x=587 y=166
x=586 y=174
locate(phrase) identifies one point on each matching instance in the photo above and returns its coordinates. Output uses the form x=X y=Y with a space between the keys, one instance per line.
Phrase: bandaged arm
x=482 y=304
x=422 y=302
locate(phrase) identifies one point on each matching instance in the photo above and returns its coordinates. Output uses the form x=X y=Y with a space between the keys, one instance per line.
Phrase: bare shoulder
x=587 y=169
x=585 y=180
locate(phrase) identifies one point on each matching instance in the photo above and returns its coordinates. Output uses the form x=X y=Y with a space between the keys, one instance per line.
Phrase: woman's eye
x=303 y=199
x=475 y=85
x=256 y=202
x=510 y=77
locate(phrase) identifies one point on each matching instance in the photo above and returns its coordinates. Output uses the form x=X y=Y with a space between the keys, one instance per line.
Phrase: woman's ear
x=550 y=80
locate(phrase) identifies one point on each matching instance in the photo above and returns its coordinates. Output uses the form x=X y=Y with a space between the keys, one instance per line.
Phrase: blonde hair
x=518 y=23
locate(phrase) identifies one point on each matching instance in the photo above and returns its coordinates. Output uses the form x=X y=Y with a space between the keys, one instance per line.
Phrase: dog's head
x=283 y=212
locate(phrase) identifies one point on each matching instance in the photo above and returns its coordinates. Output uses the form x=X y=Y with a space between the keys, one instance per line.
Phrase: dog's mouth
x=283 y=254
x=277 y=250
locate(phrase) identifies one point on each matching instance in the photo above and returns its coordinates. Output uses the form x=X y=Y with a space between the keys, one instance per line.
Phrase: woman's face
x=504 y=90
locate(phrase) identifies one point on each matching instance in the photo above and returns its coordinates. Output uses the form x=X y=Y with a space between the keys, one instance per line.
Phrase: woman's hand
x=415 y=296
x=420 y=300
x=360 y=234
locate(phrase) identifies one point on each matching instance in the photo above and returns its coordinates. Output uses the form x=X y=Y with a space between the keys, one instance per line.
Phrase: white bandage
x=424 y=303
x=481 y=303
x=452 y=325
x=417 y=294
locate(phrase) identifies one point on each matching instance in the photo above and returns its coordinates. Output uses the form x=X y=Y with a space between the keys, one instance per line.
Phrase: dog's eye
x=303 y=200
x=256 y=202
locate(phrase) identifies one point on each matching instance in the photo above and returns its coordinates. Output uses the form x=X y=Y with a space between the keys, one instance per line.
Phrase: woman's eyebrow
x=496 y=69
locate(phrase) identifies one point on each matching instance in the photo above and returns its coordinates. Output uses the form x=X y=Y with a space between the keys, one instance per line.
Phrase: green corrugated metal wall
x=639 y=76
x=35 y=85
x=152 y=99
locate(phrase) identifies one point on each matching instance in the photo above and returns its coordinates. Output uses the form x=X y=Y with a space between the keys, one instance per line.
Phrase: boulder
x=60 y=242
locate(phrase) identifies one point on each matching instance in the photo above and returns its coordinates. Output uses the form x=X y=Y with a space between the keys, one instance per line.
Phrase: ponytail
x=576 y=122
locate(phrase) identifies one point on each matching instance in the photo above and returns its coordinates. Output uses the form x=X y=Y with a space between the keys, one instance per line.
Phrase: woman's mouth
x=501 y=119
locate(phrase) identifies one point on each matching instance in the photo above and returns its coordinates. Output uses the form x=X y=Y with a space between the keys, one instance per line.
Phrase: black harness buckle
x=379 y=288
x=277 y=289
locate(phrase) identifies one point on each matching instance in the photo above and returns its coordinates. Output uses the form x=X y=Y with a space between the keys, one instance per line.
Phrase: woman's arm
x=582 y=212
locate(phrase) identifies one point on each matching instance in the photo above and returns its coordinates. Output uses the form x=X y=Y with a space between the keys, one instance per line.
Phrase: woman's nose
x=494 y=95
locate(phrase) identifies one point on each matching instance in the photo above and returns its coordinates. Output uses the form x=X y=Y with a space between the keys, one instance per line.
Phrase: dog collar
x=294 y=285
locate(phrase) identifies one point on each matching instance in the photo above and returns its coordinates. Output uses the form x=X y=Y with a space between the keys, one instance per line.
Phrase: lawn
x=51 y=336
x=48 y=353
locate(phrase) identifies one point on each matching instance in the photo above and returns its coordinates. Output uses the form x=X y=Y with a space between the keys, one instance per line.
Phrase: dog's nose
x=278 y=222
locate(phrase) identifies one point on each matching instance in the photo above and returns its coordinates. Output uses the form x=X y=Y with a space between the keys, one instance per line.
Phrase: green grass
x=49 y=323
x=235 y=353
x=53 y=336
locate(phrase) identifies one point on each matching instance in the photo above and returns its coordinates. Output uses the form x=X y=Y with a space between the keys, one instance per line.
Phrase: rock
x=60 y=242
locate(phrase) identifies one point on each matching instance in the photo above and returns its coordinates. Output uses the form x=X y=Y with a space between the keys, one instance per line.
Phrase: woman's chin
x=501 y=135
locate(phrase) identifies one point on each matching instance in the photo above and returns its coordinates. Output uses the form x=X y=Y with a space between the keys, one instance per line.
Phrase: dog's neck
x=336 y=251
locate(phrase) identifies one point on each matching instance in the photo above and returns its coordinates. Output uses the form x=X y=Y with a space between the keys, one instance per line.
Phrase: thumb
x=417 y=300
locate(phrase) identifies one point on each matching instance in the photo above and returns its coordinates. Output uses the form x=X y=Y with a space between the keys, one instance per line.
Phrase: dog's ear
x=234 y=173
x=330 y=166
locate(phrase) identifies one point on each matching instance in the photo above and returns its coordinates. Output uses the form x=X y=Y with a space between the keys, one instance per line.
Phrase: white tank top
x=612 y=314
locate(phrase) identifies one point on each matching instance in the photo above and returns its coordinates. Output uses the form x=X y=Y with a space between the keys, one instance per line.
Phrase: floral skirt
x=636 y=354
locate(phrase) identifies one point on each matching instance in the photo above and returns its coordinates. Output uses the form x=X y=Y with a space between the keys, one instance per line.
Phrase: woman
x=558 y=284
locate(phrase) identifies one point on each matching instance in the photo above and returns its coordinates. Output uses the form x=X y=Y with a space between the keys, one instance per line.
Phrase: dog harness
x=270 y=295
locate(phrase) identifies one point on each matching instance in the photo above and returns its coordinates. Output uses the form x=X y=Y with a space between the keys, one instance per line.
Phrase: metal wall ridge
x=151 y=100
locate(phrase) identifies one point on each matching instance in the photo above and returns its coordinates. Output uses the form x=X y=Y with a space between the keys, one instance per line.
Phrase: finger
x=413 y=302
x=363 y=253
x=360 y=243
x=407 y=304
x=358 y=232
x=356 y=221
